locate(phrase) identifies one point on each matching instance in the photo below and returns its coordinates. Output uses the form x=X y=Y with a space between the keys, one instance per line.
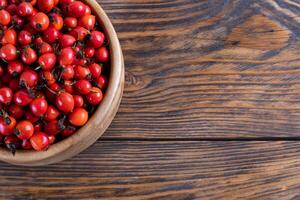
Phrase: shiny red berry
x=6 y=95
x=78 y=101
x=16 y=111
x=24 y=130
x=50 y=35
x=45 y=5
x=102 y=55
x=65 y=102
x=70 y=22
x=24 y=9
x=29 y=78
x=4 y=17
x=76 y=9
x=39 y=141
x=95 y=70
x=67 y=56
x=96 y=39
x=38 y=106
x=66 y=40
x=51 y=114
x=15 y=68
x=9 y=37
x=7 y=125
x=47 y=61
x=87 y=21
x=25 y=37
x=22 y=98
x=28 y=56
x=95 y=96
x=8 y=52
x=40 y=21
x=78 y=117
x=26 y=145
x=83 y=86
x=81 y=72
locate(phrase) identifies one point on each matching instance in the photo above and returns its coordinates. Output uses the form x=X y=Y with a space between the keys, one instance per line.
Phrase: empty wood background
x=210 y=108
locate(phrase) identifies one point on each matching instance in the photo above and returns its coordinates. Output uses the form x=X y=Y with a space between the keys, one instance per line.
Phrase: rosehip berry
x=66 y=40
x=102 y=55
x=7 y=125
x=3 y=4
x=24 y=130
x=25 y=37
x=39 y=106
x=76 y=9
x=22 y=98
x=65 y=102
x=45 y=48
x=67 y=56
x=51 y=139
x=95 y=70
x=50 y=35
x=79 y=33
x=48 y=77
x=31 y=117
x=28 y=56
x=68 y=86
x=68 y=73
x=83 y=86
x=12 y=9
x=87 y=21
x=96 y=39
x=8 y=52
x=78 y=101
x=26 y=145
x=70 y=22
x=9 y=37
x=24 y=9
x=15 y=68
x=102 y=82
x=51 y=114
x=78 y=117
x=16 y=111
x=81 y=72
x=6 y=95
x=47 y=61
x=40 y=21
x=56 y=21
x=87 y=10
x=45 y=5
x=89 y=52
x=4 y=17
x=95 y=96
x=29 y=78
x=39 y=141
x=52 y=128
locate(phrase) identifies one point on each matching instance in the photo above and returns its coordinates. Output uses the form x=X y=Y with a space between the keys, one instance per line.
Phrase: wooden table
x=210 y=108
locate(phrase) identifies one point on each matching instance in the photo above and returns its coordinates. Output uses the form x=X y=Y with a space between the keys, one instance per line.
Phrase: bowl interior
x=97 y=123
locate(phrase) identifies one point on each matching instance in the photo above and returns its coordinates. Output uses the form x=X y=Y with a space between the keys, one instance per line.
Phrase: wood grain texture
x=163 y=170
x=208 y=69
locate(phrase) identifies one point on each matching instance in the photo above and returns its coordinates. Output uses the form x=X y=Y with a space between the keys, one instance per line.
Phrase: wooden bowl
x=99 y=121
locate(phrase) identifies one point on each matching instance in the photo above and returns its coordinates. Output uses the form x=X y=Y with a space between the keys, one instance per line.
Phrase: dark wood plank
x=163 y=170
x=211 y=68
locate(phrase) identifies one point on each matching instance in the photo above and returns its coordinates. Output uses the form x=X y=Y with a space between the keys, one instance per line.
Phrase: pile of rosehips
x=54 y=64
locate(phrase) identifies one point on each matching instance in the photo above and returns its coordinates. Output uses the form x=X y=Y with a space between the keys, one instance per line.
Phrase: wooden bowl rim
x=31 y=157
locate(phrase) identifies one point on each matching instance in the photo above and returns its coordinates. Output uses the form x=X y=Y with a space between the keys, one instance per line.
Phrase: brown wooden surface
x=210 y=108
x=164 y=170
